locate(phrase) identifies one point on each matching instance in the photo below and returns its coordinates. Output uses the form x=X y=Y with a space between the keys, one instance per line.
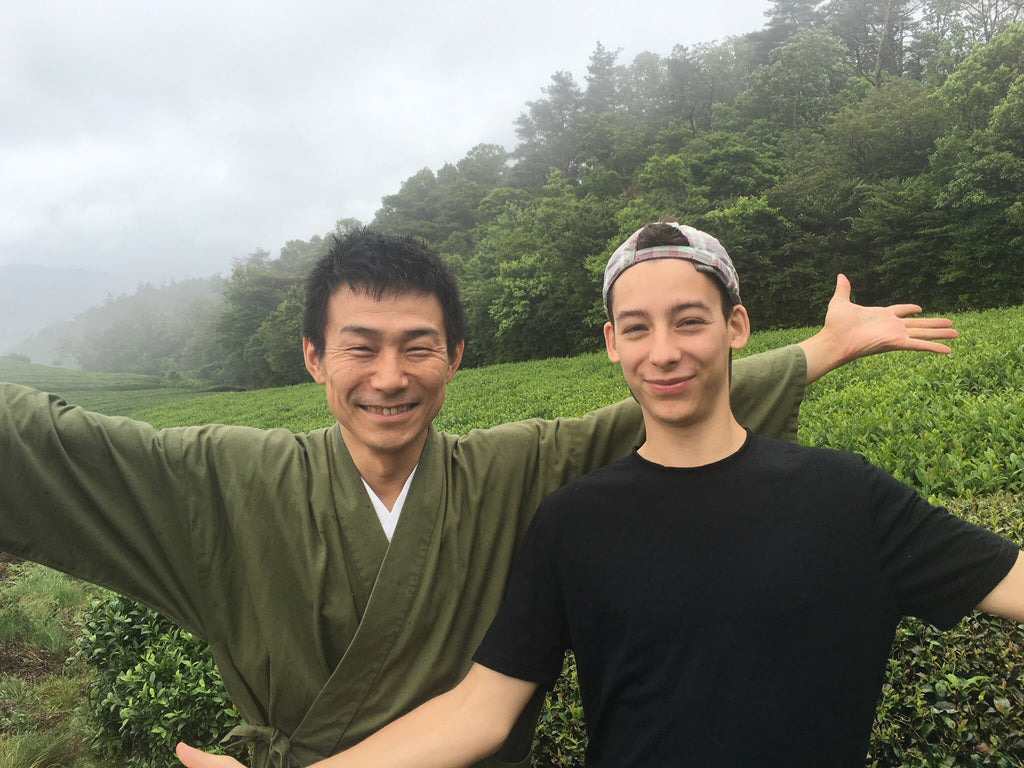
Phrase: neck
x=693 y=445
x=385 y=473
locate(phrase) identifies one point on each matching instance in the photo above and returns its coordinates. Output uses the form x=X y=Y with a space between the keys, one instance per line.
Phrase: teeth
x=390 y=411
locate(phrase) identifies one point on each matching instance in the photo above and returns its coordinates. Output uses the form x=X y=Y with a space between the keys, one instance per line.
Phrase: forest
x=879 y=138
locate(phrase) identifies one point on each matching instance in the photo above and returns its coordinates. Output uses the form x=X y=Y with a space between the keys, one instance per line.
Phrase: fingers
x=930 y=334
x=929 y=328
x=842 y=291
x=921 y=345
x=188 y=755
x=196 y=758
x=928 y=322
x=902 y=310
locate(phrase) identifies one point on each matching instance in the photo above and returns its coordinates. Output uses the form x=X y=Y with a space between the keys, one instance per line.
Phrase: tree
x=799 y=89
x=785 y=19
x=413 y=210
x=875 y=33
x=280 y=338
x=547 y=132
x=984 y=79
x=890 y=132
x=979 y=171
x=781 y=284
x=545 y=293
x=664 y=186
x=252 y=293
x=602 y=93
x=724 y=166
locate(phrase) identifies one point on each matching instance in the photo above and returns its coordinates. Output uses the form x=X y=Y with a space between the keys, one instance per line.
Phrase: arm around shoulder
x=1007 y=599
x=457 y=728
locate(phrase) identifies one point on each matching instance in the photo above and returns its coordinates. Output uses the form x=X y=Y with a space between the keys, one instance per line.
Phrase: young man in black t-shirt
x=731 y=600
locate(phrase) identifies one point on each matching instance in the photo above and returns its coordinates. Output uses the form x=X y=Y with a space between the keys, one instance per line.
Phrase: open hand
x=852 y=331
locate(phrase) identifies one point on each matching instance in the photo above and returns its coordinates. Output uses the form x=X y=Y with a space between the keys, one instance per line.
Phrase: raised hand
x=852 y=331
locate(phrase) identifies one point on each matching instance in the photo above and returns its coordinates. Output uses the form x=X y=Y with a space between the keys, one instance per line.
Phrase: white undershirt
x=389 y=517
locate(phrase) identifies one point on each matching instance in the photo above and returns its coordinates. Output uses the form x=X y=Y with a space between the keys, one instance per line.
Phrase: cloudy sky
x=156 y=141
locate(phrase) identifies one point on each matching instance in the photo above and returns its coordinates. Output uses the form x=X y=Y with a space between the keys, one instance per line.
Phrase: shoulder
x=780 y=454
x=814 y=471
x=596 y=488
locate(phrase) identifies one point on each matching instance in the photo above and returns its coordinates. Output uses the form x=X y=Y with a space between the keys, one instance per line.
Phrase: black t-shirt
x=736 y=614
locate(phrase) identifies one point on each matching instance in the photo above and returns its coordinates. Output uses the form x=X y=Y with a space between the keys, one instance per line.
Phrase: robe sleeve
x=96 y=497
x=767 y=390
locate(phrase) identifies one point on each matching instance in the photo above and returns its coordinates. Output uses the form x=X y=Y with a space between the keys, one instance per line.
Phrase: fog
x=148 y=143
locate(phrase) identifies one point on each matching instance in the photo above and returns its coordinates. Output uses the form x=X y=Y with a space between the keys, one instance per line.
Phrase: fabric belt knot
x=272 y=749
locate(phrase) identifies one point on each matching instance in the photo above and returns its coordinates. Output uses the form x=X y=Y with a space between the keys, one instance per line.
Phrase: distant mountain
x=32 y=298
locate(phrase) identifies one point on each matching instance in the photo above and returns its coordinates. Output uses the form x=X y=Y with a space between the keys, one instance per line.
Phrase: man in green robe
x=273 y=546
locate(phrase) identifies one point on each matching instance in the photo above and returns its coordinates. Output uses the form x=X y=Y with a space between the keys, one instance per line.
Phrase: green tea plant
x=950 y=426
x=155 y=684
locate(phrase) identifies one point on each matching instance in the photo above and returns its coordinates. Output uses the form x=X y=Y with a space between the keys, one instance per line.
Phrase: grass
x=42 y=695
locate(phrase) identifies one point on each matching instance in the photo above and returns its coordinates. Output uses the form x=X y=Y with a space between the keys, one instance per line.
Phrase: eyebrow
x=407 y=335
x=682 y=306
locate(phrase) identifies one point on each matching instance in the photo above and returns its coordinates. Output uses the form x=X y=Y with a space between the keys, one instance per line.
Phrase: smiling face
x=385 y=366
x=673 y=341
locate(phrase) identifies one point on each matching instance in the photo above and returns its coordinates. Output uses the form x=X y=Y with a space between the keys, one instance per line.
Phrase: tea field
x=953 y=426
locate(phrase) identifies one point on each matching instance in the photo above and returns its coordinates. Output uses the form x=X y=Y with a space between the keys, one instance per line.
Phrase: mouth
x=387 y=411
x=669 y=385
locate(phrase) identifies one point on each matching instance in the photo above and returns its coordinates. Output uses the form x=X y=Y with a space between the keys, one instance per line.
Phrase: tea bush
x=155 y=685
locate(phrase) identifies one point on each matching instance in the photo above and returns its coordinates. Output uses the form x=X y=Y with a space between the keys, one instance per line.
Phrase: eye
x=691 y=322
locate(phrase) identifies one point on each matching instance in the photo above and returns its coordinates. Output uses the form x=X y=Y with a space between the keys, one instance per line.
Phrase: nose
x=389 y=374
x=664 y=351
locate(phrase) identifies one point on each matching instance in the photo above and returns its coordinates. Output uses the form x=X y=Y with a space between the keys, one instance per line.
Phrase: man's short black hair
x=380 y=265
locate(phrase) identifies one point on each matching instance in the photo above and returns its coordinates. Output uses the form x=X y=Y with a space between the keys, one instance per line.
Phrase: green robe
x=265 y=544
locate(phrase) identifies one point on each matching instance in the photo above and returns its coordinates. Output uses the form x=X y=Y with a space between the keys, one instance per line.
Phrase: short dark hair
x=380 y=265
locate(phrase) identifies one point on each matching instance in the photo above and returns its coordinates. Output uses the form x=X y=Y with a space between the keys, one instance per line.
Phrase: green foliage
x=41 y=694
x=37 y=608
x=890 y=131
x=798 y=89
x=877 y=138
x=300 y=408
x=38 y=750
x=951 y=427
x=561 y=738
x=155 y=685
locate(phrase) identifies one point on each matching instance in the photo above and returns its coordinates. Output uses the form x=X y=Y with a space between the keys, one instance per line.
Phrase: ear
x=312 y=360
x=739 y=327
x=609 y=342
x=455 y=362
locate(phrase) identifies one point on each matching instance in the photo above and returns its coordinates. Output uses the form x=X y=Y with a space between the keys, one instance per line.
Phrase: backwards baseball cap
x=704 y=251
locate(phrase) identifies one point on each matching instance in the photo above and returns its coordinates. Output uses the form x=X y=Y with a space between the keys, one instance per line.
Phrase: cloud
x=164 y=141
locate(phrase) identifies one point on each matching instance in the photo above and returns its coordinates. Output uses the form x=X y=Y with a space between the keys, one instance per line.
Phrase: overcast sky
x=157 y=141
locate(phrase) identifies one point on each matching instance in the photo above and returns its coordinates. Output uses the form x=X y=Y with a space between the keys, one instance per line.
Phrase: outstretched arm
x=852 y=331
x=457 y=728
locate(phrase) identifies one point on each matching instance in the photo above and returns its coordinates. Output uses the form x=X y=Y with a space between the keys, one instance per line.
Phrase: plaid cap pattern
x=706 y=253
